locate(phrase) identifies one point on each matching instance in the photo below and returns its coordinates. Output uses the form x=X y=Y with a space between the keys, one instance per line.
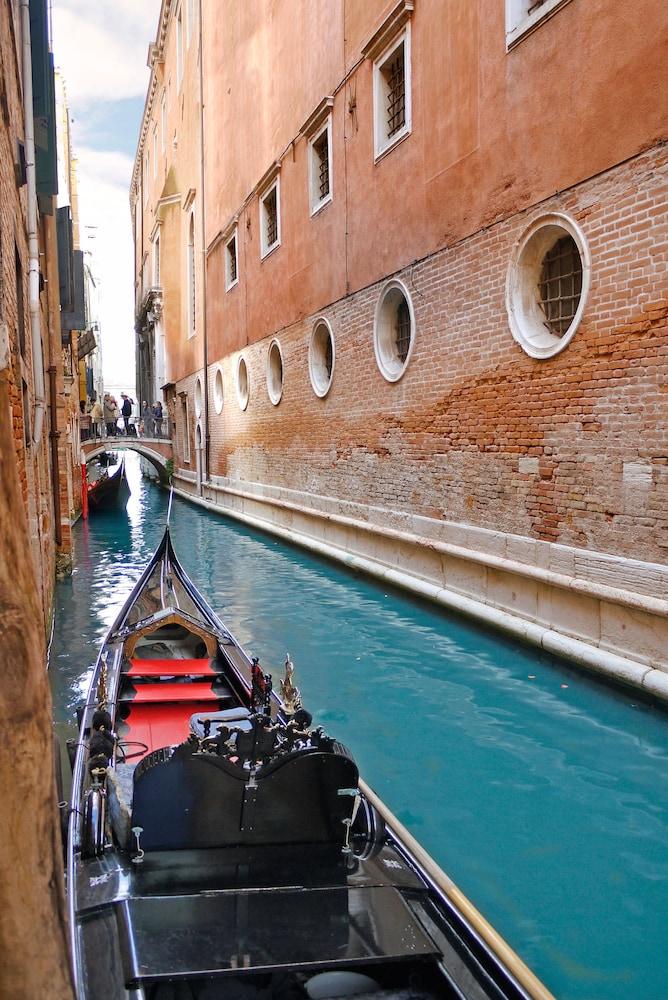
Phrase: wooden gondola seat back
x=202 y=800
x=161 y=623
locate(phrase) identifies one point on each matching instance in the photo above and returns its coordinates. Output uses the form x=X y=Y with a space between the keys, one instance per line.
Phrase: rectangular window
x=523 y=16
x=155 y=150
x=179 y=48
x=392 y=93
x=320 y=167
x=163 y=120
x=231 y=262
x=270 y=221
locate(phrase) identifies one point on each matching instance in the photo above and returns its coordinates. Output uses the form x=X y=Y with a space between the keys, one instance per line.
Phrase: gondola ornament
x=290 y=694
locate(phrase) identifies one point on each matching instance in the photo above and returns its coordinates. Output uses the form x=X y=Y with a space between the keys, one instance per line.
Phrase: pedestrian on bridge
x=147 y=419
x=96 y=418
x=109 y=410
x=158 y=418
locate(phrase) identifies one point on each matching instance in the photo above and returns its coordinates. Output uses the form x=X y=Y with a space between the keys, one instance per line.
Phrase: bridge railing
x=90 y=436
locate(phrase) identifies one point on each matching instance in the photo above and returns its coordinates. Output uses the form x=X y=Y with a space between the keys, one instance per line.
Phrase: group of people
x=109 y=419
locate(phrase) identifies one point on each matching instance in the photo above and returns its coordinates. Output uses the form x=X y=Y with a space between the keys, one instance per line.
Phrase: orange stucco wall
x=493 y=132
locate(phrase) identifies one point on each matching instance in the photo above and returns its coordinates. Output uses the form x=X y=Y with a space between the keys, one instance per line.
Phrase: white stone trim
x=392 y=369
x=266 y=248
x=525 y=316
x=198 y=396
x=319 y=203
x=218 y=394
x=274 y=391
x=243 y=395
x=382 y=143
x=234 y=235
x=320 y=384
x=519 y=23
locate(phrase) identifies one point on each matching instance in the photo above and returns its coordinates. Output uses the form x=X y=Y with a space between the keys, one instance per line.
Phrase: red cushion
x=159 y=725
x=165 y=668
x=167 y=692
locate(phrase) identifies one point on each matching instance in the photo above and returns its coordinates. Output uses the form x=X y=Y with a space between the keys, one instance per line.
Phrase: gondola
x=109 y=492
x=219 y=846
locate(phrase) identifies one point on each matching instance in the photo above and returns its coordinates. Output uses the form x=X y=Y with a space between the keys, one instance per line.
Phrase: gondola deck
x=218 y=845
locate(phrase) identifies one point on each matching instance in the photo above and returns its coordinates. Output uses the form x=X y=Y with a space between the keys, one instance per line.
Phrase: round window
x=198 y=398
x=218 y=390
x=242 y=383
x=547 y=285
x=275 y=372
x=394 y=330
x=321 y=358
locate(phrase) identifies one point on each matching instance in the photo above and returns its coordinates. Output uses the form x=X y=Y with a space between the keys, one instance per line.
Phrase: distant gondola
x=220 y=847
x=109 y=492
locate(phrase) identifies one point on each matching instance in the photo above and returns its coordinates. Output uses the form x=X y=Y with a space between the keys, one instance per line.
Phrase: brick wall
x=571 y=449
x=16 y=380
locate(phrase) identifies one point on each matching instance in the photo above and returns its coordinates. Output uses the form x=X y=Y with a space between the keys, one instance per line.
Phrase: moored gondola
x=219 y=846
x=110 y=492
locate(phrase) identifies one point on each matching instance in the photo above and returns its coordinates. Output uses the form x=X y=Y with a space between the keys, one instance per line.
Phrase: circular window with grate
x=547 y=285
x=321 y=356
x=394 y=330
x=275 y=372
x=218 y=390
x=243 y=391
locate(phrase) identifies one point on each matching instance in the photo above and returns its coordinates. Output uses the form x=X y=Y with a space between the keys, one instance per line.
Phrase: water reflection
x=547 y=804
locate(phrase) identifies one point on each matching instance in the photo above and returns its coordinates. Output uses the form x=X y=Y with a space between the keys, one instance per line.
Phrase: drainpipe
x=54 y=434
x=207 y=435
x=33 y=241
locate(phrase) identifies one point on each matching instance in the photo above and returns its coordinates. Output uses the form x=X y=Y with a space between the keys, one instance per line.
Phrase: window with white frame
x=192 y=291
x=523 y=16
x=270 y=219
x=242 y=383
x=320 y=167
x=179 y=47
x=321 y=357
x=392 y=93
x=275 y=372
x=394 y=330
x=155 y=150
x=156 y=262
x=547 y=284
x=231 y=261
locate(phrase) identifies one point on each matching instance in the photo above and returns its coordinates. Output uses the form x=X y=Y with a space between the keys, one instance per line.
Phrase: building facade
x=32 y=381
x=411 y=266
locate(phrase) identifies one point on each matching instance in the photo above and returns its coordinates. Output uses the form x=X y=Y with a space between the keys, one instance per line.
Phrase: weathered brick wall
x=571 y=449
x=33 y=461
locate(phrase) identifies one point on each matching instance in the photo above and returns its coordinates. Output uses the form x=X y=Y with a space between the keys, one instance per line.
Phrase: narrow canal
x=541 y=792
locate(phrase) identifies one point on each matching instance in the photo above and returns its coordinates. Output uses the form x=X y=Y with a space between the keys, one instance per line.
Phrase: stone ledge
x=607 y=629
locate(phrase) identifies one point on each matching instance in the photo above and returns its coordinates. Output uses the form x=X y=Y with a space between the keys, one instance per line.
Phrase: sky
x=101 y=49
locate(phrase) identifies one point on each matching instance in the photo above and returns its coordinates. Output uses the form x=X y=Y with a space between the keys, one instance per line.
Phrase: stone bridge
x=158 y=451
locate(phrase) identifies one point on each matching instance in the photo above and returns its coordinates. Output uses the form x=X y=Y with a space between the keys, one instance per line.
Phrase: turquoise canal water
x=542 y=793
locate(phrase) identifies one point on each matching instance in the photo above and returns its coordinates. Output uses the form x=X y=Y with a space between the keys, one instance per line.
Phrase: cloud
x=107 y=233
x=101 y=48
